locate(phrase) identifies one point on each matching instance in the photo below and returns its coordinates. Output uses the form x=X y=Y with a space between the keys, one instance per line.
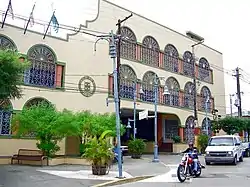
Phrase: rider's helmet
x=190 y=144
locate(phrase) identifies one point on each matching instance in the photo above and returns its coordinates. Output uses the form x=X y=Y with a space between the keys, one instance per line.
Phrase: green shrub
x=202 y=142
x=176 y=139
x=136 y=146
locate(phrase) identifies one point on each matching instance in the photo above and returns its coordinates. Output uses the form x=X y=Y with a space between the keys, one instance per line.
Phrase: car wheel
x=235 y=160
x=241 y=158
x=208 y=163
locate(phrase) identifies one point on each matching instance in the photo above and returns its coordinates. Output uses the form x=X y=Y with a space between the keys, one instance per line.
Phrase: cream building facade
x=67 y=73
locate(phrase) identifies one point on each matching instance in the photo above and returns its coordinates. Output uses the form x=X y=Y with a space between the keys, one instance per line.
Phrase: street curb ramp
x=123 y=181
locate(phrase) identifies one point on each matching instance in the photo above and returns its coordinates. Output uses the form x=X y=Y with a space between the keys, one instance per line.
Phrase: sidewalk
x=131 y=168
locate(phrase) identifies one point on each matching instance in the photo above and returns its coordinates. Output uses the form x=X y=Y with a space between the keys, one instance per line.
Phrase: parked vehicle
x=246 y=149
x=186 y=168
x=224 y=149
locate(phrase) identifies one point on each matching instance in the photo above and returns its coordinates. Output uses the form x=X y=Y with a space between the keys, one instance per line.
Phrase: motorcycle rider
x=192 y=149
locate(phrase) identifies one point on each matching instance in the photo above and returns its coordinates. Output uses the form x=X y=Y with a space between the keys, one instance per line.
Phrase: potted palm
x=99 y=152
x=136 y=148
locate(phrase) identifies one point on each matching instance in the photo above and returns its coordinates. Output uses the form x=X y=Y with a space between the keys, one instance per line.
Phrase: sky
x=222 y=23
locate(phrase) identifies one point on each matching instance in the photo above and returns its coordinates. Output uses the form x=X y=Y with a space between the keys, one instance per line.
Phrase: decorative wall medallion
x=87 y=86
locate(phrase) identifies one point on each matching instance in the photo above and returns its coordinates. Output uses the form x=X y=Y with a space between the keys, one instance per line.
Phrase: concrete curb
x=123 y=181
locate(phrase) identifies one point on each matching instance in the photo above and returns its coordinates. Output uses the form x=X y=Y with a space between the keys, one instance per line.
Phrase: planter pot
x=99 y=170
x=136 y=156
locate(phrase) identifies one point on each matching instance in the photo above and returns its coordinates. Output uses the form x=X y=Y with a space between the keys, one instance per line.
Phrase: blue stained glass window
x=188 y=64
x=5 y=118
x=189 y=95
x=43 y=69
x=148 y=86
x=127 y=80
x=171 y=57
x=173 y=87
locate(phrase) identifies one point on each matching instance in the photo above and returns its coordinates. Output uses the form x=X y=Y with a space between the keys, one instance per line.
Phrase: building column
x=181 y=133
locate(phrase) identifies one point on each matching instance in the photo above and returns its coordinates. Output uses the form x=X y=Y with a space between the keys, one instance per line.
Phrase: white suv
x=224 y=149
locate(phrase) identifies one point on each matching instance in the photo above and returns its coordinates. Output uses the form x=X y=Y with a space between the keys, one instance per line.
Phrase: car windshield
x=223 y=141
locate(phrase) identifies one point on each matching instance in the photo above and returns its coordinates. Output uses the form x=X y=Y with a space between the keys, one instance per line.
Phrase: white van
x=224 y=149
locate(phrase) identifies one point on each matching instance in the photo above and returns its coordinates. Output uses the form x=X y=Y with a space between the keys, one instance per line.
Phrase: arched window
x=188 y=64
x=150 y=51
x=173 y=87
x=42 y=71
x=206 y=126
x=5 y=105
x=204 y=69
x=34 y=102
x=171 y=58
x=6 y=43
x=205 y=98
x=189 y=95
x=189 y=129
x=128 y=43
x=148 y=86
x=127 y=80
x=5 y=117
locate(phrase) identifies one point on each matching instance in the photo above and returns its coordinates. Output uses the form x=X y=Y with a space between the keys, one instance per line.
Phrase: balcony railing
x=155 y=58
x=177 y=99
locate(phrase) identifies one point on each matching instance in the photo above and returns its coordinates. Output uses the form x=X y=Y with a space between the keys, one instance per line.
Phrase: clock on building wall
x=87 y=86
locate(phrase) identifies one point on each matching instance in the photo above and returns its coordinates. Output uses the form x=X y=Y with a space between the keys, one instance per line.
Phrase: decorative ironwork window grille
x=127 y=80
x=204 y=126
x=171 y=58
x=204 y=69
x=189 y=95
x=128 y=43
x=150 y=51
x=188 y=64
x=173 y=87
x=148 y=86
x=205 y=93
x=6 y=43
x=43 y=70
x=189 y=130
x=5 y=117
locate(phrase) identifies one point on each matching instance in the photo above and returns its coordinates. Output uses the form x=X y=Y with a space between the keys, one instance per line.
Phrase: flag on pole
x=10 y=10
x=55 y=23
x=30 y=20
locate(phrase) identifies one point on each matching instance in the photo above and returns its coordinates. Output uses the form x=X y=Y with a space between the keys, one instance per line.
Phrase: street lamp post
x=134 y=99
x=166 y=92
x=206 y=108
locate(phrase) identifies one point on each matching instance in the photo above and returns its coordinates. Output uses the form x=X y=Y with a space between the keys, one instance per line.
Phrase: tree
x=11 y=73
x=46 y=124
x=231 y=125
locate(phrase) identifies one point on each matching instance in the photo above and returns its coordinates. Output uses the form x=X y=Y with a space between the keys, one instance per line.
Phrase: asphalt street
x=214 y=175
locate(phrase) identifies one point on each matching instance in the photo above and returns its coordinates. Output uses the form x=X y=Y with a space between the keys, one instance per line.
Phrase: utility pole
x=237 y=75
x=231 y=104
x=119 y=55
x=111 y=38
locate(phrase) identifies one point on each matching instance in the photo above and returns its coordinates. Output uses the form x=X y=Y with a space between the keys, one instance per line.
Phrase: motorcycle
x=186 y=167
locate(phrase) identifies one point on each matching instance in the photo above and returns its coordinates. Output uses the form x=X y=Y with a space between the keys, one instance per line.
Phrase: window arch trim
x=10 y=40
x=45 y=46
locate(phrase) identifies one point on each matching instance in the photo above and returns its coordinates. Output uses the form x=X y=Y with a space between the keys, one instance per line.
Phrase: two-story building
x=67 y=73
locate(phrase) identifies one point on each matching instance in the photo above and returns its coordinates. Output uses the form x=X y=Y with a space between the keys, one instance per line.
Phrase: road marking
x=85 y=174
x=169 y=177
